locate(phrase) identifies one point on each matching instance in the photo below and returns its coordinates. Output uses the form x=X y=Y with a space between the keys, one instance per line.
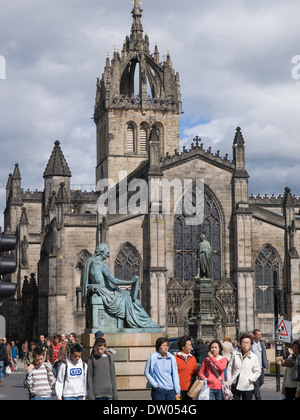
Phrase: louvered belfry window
x=130 y=138
x=143 y=140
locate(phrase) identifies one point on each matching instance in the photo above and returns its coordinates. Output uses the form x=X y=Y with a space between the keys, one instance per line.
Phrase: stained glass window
x=187 y=239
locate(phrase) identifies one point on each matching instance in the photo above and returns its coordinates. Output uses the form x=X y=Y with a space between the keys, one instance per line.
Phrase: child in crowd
x=39 y=378
x=101 y=374
x=28 y=358
x=72 y=375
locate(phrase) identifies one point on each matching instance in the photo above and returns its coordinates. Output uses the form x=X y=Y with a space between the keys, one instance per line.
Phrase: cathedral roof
x=57 y=165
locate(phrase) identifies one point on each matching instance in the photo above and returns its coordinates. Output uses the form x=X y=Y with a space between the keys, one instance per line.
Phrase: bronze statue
x=98 y=280
x=203 y=257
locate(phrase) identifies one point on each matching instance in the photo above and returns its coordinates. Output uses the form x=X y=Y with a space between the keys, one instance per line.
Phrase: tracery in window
x=187 y=239
x=265 y=264
x=127 y=263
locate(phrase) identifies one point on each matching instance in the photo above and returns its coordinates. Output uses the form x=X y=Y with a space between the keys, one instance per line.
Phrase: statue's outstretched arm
x=117 y=282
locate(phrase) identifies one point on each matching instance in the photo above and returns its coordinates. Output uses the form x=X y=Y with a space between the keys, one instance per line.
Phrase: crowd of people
x=236 y=366
x=226 y=370
x=58 y=365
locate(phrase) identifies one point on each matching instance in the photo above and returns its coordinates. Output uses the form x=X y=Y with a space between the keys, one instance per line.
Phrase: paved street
x=14 y=390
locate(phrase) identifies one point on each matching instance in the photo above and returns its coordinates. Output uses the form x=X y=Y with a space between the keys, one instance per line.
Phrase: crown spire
x=137 y=27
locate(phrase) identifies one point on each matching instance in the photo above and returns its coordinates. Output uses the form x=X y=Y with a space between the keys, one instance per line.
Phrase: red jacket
x=56 y=350
x=212 y=380
x=186 y=369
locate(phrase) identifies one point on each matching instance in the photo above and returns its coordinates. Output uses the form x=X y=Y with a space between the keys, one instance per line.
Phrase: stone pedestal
x=203 y=321
x=133 y=350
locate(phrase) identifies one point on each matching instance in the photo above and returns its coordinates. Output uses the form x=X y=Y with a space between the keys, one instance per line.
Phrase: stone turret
x=56 y=172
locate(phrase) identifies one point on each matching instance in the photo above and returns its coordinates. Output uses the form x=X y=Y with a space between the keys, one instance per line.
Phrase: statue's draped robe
x=118 y=303
x=205 y=252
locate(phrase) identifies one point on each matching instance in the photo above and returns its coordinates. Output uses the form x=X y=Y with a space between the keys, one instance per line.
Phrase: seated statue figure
x=98 y=279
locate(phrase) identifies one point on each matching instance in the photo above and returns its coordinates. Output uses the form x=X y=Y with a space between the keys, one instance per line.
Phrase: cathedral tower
x=136 y=93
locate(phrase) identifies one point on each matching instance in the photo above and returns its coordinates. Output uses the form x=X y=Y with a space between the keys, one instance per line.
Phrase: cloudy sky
x=234 y=58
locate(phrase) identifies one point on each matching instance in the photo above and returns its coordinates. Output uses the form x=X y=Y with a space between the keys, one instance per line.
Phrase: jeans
x=159 y=394
x=73 y=398
x=260 y=381
x=103 y=399
x=55 y=369
x=37 y=398
x=15 y=363
x=2 y=370
x=215 y=394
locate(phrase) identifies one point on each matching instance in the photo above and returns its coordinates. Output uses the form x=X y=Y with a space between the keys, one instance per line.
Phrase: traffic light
x=7 y=289
x=282 y=302
x=7 y=266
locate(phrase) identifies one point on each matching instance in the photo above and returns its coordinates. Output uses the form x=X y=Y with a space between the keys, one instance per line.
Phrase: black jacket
x=200 y=352
x=3 y=355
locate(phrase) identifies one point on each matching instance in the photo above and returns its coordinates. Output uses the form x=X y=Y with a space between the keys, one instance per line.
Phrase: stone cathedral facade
x=137 y=110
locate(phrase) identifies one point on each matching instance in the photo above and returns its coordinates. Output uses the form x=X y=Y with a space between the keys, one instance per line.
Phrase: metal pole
x=277 y=342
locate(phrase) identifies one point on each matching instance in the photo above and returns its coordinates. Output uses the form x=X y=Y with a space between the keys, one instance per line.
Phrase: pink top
x=212 y=380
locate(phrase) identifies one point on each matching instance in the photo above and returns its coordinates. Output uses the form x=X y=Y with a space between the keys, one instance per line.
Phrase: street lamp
x=237 y=326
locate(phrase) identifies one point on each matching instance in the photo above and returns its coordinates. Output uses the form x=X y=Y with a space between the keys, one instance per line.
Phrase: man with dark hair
x=39 y=378
x=72 y=376
x=101 y=334
x=259 y=348
x=200 y=351
x=42 y=344
x=72 y=339
x=101 y=374
x=186 y=364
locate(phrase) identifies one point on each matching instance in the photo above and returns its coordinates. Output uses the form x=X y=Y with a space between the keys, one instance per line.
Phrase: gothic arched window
x=80 y=260
x=127 y=263
x=187 y=239
x=265 y=264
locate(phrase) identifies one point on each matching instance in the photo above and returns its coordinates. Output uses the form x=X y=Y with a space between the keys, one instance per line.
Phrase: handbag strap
x=216 y=372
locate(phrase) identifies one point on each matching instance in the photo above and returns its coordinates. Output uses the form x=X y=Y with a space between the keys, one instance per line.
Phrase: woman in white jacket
x=243 y=370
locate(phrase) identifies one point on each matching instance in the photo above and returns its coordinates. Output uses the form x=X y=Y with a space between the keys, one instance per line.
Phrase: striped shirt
x=40 y=380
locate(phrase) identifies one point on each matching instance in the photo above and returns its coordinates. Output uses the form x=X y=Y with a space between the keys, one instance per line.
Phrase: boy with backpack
x=72 y=375
x=101 y=374
x=39 y=377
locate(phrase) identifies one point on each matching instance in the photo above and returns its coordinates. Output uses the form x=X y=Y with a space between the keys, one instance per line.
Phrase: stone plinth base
x=133 y=350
